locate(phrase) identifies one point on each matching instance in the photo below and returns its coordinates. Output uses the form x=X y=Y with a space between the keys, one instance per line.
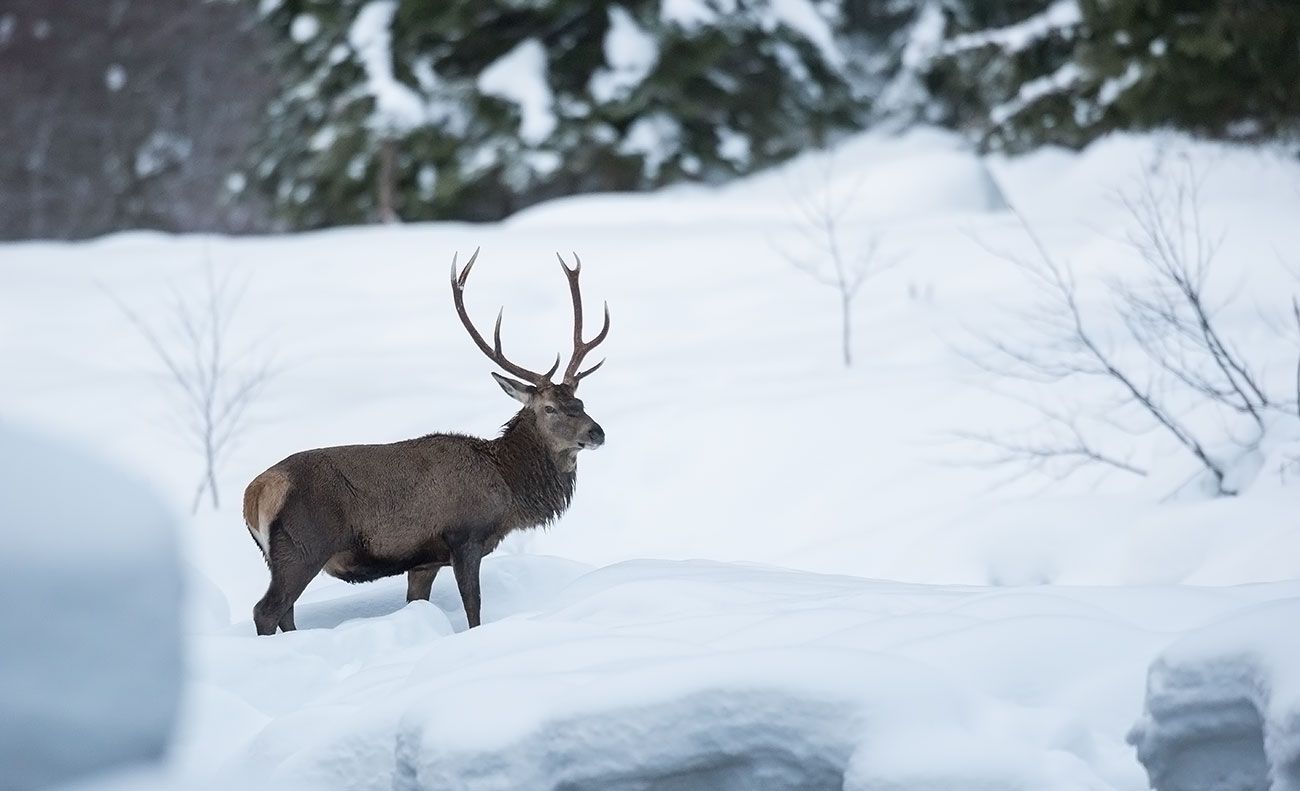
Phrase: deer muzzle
x=595 y=437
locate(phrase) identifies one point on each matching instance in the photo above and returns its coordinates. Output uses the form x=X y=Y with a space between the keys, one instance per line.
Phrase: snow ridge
x=1223 y=706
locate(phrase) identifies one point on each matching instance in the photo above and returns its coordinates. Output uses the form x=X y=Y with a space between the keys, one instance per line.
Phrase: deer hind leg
x=288 y=581
x=290 y=573
x=419 y=582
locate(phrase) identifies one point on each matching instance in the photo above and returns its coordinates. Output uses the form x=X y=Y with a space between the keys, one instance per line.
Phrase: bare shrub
x=214 y=385
x=827 y=252
x=1184 y=360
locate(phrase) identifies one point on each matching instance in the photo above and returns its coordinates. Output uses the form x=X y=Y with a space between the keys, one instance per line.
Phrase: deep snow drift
x=1223 y=705
x=734 y=435
x=694 y=675
x=90 y=668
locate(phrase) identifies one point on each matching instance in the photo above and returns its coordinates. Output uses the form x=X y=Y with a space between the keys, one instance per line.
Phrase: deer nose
x=597 y=435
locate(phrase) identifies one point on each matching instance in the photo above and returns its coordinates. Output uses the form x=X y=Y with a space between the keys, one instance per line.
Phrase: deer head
x=558 y=413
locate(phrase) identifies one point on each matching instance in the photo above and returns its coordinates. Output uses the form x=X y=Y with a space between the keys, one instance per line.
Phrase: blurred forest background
x=266 y=115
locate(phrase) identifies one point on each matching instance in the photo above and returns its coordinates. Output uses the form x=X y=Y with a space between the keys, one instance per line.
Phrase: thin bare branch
x=828 y=258
x=1168 y=319
x=1295 y=311
x=216 y=388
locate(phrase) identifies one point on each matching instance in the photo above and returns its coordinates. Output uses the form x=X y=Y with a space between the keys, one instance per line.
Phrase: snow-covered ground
x=713 y=612
x=90 y=616
x=1223 y=705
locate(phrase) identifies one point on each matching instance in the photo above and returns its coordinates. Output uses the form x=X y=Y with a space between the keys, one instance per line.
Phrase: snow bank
x=724 y=722
x=90 y=597
x=689 y=675
x=1223 y=706
x=878 y=178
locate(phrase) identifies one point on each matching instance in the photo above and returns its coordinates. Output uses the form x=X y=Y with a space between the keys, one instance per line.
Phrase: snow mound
x=90 y=669
x=718 y=722
x=874 y=177
x=925 y=174
x=736 y=721
x=1223 y=706
x=690 y=675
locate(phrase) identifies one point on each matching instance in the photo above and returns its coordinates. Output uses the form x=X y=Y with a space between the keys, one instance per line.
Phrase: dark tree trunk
x=386 y=181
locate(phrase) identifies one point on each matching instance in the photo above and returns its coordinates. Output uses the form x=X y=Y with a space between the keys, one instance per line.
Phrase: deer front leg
x=465 y=559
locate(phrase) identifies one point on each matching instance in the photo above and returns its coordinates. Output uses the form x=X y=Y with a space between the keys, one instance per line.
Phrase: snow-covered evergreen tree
x=476 y=108
x=1012 y=77
x=1026 y=72
x=318 y=158
x=1221 y=69
x=890 y=45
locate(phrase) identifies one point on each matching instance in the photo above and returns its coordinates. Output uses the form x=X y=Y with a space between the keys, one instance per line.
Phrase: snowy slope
x=646 y=673
x=734 y=436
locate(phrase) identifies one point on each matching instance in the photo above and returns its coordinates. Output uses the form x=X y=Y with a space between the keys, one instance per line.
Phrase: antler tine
x=580 y=348
x=464 y=275
x=496 y=333
x=555 y=366
x=496 y=343
x=578 y=377
x=577 y=265
x=493 y=352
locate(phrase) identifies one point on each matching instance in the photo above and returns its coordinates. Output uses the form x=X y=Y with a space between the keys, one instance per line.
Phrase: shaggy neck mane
x=542 y=489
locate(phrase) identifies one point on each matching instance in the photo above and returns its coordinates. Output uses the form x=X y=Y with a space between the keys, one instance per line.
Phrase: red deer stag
x=361 y=512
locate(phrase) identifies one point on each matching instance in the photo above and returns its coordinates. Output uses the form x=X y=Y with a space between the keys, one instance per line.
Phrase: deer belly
x=354 y=566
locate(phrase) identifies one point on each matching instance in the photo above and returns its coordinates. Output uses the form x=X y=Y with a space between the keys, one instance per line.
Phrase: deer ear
x=514 y=388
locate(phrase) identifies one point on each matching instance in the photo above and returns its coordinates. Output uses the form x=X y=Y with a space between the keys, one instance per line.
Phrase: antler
x=493 y=352
x=580 y=348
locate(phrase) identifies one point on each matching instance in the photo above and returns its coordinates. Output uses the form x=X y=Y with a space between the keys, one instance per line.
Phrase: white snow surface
x=304 y=28
x=1056 y=82
x=1059 y=16
x=905 y=94
x=397 y=107
x=630 y=54
x=90 y=614
x=802 y=16
x=925 y=38
x=115 y=77
x=775 y=574
x=655 y=137
x=1223 y=705
x=691 y=14
x=520 y=77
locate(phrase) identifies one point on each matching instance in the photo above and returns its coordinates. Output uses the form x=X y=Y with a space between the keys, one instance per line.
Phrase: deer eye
x=550 y=410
